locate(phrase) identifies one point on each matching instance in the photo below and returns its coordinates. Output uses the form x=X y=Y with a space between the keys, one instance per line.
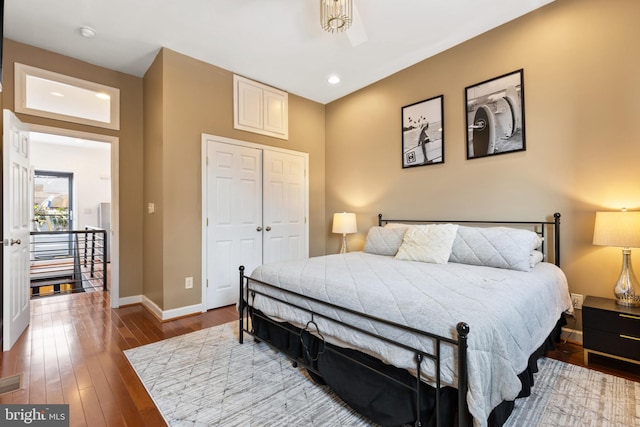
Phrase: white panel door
x=16 y=221
x=284 y=207
x=234 y=213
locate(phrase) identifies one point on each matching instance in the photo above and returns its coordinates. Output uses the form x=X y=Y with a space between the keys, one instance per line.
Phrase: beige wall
x=153 y=168
x=197 y=98
x=583 y=143
x=130 y=142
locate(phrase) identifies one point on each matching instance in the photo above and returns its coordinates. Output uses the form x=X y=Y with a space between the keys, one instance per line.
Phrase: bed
x=433 y=323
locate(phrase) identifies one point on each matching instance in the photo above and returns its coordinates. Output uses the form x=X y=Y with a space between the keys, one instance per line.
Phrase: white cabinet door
x=284 y=207
x=234 y=212
x=260 y=109
x=16 y=222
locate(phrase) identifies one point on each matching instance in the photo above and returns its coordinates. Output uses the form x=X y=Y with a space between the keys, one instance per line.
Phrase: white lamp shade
x=344 y=223
x=620 y=229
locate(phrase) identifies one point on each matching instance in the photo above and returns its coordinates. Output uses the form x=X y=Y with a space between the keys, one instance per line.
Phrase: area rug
x=206 y=378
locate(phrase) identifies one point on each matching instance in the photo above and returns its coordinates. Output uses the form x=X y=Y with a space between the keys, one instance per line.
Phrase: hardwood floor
x=72 y=353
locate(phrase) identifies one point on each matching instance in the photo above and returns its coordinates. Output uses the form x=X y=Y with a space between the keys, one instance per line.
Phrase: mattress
x=510 y=313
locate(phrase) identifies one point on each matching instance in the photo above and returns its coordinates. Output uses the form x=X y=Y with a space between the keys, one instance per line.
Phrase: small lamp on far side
x=344 y=223
x=621 y=229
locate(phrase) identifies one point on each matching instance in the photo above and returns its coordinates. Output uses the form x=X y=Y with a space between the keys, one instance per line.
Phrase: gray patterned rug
x=206 y=378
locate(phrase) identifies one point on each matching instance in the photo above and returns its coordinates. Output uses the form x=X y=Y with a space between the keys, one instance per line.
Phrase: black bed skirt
x=380 y=399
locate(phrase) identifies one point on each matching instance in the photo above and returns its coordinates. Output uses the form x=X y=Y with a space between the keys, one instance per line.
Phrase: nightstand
x=610 y=330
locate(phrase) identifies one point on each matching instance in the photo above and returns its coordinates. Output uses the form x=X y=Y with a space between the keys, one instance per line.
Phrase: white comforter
x=510 y=313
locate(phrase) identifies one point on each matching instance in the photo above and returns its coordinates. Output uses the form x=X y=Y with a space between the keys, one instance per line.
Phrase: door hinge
x=207 y=222
x=207 y=160
x=207 y=283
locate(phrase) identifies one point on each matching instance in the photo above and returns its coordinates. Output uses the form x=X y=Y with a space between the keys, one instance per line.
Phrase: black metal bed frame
x=246 y=310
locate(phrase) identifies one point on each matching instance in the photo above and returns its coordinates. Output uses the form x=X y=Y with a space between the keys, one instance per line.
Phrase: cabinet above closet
x=260 y=109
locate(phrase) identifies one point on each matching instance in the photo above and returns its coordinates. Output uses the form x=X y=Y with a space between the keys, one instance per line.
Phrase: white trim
x=208 y=137
x=115 y=197
x=572 y=335
x=22 y=71
x=136 y=299
x=170 y=314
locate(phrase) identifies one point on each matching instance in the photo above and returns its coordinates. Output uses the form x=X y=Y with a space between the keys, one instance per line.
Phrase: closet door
x=284 y=206
x=234 y=213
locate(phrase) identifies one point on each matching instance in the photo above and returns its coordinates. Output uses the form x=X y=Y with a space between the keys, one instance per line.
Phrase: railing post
x=93 y=252
x=86 y=238
x=104 y=260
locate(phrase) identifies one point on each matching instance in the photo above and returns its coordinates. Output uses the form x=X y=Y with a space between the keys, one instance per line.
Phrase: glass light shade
x=336 y=15
x=621 y=229
x=344 y=223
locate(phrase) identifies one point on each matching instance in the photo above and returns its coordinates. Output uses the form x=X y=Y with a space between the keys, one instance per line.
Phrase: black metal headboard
x=540 y=227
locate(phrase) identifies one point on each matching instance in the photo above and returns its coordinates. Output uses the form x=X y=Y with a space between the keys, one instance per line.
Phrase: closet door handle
x=259 y=228
x=15 y=242
x=268 y=228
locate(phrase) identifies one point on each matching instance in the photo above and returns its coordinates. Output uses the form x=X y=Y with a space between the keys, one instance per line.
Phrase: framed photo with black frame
x=495 y=116
x=423 y=133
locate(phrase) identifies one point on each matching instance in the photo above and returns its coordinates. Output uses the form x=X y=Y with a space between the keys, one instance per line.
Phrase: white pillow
x=536 y=257
x=428 y=243
x=396 y=225
x=500 y=247
x=384 y=241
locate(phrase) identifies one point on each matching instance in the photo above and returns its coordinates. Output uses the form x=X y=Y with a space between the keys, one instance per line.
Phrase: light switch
x=151 y=207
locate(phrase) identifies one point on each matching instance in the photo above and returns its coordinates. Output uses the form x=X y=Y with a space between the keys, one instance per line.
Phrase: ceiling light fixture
x=336 y=15
x=333 y=79
x=87 y=32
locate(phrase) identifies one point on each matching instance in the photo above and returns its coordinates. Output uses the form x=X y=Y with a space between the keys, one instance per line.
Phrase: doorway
x=92 y=159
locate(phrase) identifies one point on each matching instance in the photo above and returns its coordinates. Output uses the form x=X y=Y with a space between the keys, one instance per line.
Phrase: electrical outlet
x=188 y=282
x=576 y=300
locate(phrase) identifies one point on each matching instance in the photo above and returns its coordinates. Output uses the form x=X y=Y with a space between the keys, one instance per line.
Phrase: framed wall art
x=423 y=133
x=495 y=116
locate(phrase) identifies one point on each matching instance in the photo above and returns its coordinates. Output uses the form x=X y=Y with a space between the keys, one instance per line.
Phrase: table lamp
x=344 y=223
x=621 y=229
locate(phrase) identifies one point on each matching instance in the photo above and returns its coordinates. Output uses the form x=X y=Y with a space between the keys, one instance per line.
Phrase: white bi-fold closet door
x=255 y=207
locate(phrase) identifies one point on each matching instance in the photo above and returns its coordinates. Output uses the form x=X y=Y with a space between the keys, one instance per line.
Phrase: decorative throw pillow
x=428 y=243
x=500 y=247
x=384 y=241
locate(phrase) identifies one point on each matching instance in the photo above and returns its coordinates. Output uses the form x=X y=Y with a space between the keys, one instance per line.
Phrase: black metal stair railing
x=68 y=261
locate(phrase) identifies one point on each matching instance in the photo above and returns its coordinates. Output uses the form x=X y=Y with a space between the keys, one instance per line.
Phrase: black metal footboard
x=248 y=315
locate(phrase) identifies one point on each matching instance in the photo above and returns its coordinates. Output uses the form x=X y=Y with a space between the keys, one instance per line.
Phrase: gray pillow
x=500 y=247
x=384 y=241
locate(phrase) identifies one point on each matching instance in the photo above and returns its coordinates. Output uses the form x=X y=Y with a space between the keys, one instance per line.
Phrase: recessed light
x=87 y=32
x=333 y=79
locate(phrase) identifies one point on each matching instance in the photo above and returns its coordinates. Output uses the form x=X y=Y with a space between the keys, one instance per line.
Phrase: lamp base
x=343 y=249
x=625 y=289
x=633 y=301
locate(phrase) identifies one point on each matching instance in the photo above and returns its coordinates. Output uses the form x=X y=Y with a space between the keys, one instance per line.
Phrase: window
x=56 y=96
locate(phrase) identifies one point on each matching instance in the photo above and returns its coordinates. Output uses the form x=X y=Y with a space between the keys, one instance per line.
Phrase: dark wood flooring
x=72 y=353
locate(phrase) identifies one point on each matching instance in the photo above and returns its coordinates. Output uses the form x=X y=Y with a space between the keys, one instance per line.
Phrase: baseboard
x=136 y=299
x=170 y=314
x=571 y=335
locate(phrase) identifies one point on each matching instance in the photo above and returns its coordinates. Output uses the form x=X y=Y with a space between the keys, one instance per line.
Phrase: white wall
x=90 y=163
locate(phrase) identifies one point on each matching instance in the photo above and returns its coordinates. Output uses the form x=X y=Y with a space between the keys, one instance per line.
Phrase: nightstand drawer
x=618 y=344
x=619 y=323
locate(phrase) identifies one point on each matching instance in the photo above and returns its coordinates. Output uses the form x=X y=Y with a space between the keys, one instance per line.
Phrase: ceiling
x=276 y=42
